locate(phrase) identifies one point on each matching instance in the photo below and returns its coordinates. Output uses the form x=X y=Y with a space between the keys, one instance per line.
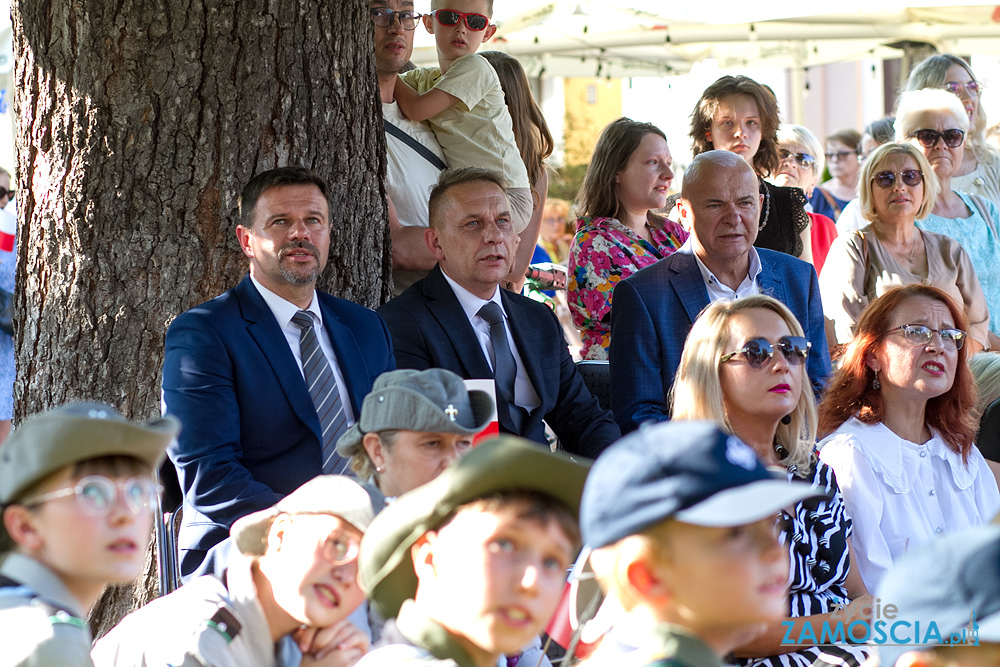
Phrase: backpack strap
x=418 y=147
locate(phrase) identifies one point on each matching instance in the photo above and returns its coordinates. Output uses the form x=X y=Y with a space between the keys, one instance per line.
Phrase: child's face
x=312 y=566
x=86 y=549
x=458 y=40
x=722 y=578
x=494 y=578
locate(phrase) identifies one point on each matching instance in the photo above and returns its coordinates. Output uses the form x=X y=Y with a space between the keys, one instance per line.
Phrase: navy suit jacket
x=249 y=430
x=652 y=313
x=431 y=330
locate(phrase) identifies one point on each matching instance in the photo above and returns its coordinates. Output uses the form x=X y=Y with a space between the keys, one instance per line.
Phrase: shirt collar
x=706 y=273
x=430 y=635
x=42 y=581
x=283 y=309
x=471 y=303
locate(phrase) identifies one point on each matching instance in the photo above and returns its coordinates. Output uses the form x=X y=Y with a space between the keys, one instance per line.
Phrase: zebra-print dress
x=816 y=533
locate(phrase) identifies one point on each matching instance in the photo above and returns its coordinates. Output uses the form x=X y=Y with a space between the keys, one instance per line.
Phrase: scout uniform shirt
x=203 y=623
x=414 y=640
x=633 y=643
x=41 y=623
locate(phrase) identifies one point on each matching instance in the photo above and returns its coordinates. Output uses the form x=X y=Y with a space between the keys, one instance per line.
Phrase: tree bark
x=138 y=125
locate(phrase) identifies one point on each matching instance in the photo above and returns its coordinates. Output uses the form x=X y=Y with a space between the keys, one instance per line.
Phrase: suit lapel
x=264 y=329
x=444 y=306
x=689 y=284
x=769 y=280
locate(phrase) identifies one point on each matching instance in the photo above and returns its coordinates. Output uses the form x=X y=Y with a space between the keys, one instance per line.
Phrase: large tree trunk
x=138 y=124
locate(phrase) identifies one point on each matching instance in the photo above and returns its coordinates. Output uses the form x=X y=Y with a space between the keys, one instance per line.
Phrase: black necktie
x=504 y=367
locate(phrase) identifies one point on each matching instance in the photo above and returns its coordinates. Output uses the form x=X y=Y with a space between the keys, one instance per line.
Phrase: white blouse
x=901 y=494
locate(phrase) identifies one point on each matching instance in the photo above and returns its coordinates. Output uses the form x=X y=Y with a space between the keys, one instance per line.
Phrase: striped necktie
x=324 y=393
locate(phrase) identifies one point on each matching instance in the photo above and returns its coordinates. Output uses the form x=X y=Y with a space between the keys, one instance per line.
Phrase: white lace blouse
x=901 y=494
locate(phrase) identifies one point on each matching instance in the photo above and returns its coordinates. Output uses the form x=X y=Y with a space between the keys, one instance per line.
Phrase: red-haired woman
x=899 y=415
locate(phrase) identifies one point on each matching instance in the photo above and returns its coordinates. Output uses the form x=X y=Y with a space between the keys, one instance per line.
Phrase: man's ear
x=433 y=240
x=20 y=525
x=491 y=30
x=684 y=214
x=647 y=582
x=428 y=20
x=243 y=236
x=373 y=445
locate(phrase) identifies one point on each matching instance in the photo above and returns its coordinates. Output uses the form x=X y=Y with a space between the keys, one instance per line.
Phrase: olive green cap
x=507 y=463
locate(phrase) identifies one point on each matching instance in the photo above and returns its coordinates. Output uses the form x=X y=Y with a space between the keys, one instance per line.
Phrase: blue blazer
x=431 y=330
x=249 y=430
x=652 y=313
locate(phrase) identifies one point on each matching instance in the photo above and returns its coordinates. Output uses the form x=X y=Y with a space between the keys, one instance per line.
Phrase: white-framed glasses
x=97 y=494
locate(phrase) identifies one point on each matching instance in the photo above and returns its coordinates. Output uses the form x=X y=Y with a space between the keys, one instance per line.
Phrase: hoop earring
x=876 y=385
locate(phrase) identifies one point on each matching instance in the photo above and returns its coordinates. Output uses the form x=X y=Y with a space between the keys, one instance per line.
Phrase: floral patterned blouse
x=605 y=251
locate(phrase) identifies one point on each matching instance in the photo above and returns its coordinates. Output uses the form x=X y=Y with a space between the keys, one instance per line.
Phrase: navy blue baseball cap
x=945 y=582
x=689 y=471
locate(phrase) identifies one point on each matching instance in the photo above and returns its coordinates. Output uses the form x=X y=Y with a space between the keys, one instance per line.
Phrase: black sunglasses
x=911 y=177
x=953 y=138
x=803 y=159
x=758 y=351
x=383 y=17
x=6 y=193
x=450 y=17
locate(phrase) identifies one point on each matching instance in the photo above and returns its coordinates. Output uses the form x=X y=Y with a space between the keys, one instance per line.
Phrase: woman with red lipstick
x=898 y=186
x=899 y=414
x=743 y=367
x=739 y=115
x=618 y=232
x=980 y=170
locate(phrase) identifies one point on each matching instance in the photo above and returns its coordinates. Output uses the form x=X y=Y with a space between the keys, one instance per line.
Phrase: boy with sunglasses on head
x=285 y=595
x=77 y=491
x=463 y=101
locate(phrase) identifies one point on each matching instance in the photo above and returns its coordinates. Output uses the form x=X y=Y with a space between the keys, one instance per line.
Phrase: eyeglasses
x=339 y=548
x=911 y=177
x=474 y=22
x=918 y=334
x=802 y=159
x=955 y=87
x=839 y=155
x=383 y=17
x=953 y=138
x=6 y=193
x=758 y=351
x=97 y=494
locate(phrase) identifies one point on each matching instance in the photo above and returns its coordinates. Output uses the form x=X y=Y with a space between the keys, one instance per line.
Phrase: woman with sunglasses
x=935 y=123
x=801 y=165
x=898 y=187
x=744 y=367
x=980 y=170
x=898 y=415
x=739 y=115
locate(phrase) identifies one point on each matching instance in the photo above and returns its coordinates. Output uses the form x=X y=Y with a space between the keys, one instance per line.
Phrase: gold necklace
x=895 y=248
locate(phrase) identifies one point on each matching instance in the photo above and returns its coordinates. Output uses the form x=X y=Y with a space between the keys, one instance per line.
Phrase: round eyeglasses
x=910 y=177
x=97 y=494
x=956 y=87
x=918 y=334
x=339 y=548
x=953 y=138
x=759 y=351
x=383 y=17
x=801 y=159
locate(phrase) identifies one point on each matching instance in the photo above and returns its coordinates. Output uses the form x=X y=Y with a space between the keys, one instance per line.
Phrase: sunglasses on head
x=911 y=177
x=955 y=87
x=918 y=334
x=802 y=159
x=758 y=351
x=383 y=17
x=953 y=138
x=450 y=17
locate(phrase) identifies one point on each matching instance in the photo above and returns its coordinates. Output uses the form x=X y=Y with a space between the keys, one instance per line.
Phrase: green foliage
x=564 y=183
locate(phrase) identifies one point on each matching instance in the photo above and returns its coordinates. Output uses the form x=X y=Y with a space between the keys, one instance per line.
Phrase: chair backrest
x=597 y=376
x=989 y=432
x=170 y=500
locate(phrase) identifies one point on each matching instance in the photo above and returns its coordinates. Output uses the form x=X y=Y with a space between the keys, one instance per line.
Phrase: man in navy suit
x=653 y=310
x=459 y=319
x=234 y=374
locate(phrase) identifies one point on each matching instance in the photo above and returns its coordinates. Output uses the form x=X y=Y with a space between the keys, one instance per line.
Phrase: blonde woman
x=743 y=367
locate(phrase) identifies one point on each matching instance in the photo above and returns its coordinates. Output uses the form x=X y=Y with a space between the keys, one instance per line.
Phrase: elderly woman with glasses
x=743 y=367
x=935 y=123
x=801 y=164
x=900 y=424
x=898 y=187
x=980 y=169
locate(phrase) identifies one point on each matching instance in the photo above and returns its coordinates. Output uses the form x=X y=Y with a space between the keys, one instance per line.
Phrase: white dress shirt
x=719 y=290
x=525 y=395
x=283 y=311
x=901 y=494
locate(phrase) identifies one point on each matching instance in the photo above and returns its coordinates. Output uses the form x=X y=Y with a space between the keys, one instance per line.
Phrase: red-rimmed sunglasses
x=450 y=17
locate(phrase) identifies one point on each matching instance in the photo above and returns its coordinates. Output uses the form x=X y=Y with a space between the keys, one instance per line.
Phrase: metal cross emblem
x=451 y=411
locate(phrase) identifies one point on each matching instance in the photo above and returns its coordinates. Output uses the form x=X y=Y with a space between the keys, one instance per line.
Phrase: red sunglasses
x=474 y=22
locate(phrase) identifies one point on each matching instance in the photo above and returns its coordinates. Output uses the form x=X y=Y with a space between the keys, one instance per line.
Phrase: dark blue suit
x=652 y=313
x=250 y=434
x=431 y=330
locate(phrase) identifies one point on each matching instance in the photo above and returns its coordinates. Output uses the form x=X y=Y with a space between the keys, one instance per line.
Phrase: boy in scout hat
x=682 y=520
x=472 y=564
x=412 y=425
x=77 y=492
x=289 y=588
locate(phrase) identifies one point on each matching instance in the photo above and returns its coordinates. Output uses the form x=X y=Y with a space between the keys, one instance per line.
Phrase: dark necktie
x=504 y=367
x=323 y=390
